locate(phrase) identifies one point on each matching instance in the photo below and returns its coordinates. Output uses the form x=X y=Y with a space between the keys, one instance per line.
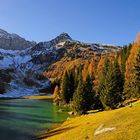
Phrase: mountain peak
x=3 y=32
x=63 y=37
x=13 y=41
x=7 y=35
x=64 y=34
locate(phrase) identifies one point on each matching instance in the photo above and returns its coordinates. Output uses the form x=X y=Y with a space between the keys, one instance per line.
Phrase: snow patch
x=101 y=130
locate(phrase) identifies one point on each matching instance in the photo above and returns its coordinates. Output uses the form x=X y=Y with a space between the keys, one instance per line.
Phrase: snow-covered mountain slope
x=10 y=57
x=14 y=41
x=25 y=76
x=27 y=65
x=63 y=45
x=66 y=42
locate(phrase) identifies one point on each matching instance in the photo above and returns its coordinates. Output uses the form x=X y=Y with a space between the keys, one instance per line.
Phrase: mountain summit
x=5 y=34
x=13 y=41
x=63 y=37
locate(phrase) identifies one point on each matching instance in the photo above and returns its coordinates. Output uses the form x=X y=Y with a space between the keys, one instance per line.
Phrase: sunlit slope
x=124 y=124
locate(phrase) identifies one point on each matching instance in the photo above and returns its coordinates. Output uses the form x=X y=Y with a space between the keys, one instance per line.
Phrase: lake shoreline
x=43 y=134
x=31 y=113
x=39 y=97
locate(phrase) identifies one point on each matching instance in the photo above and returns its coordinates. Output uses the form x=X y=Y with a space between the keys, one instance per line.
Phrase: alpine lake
x=24 y=119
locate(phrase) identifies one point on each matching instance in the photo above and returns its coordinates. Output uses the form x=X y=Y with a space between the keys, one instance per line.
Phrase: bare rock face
x=13 y=41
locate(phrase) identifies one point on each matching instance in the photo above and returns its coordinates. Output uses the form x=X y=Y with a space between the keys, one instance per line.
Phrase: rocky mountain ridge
x=14 y=41
x=30 y=68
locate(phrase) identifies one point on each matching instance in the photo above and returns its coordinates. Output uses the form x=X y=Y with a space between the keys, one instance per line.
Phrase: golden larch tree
x=129 y=87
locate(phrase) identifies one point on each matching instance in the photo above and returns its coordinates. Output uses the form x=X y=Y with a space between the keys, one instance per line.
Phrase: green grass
x=126 y=121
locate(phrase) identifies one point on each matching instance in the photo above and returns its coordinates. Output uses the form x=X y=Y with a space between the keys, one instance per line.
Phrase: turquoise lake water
x=22 y=119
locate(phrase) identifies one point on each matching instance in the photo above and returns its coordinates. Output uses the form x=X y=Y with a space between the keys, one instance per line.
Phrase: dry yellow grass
x=39 y=97
x=126 y=121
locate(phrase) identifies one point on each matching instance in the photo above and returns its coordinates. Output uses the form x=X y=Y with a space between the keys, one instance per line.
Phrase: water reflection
x=21 y=119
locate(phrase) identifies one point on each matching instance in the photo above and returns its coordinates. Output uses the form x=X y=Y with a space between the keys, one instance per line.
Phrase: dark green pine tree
x=79 y=98
x=85 y=97
x=89 y=92
x=78 y=71
x=124 y=53
x=92 y=100
x=68 y=87
x=137 y=78
x=65 y=88
x=71 y=78
x=103 y=89
x=108 y=89
x=118 y=80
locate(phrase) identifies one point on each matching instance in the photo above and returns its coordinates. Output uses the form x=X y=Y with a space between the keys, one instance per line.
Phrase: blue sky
x=101 y=21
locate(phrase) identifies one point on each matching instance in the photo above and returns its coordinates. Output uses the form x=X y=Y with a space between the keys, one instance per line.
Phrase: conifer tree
x=124 y=53
x=56 y=91
x=91 y=97
x=109 y=88
x=130 y=73
x=90 y=69
x=68 y=86
x=57 y=98
x=65 y=93
x=89 y=92
x=79 y=98
x=71 y=78
x=85 y=97
x=103 y=89
x=85 y=70
x=118 y=81
x=78 y=71
x=137 y=76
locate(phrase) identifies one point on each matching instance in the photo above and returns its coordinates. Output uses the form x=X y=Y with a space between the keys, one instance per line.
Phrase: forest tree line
x=78 y=89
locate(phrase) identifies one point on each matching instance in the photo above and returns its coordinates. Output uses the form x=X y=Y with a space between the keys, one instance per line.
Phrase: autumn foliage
x=109 y=83
x=129 y=87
